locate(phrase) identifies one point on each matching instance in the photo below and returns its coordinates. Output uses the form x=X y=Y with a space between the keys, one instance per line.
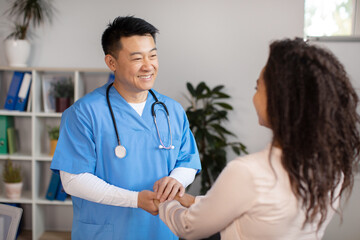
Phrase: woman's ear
x=110 y=62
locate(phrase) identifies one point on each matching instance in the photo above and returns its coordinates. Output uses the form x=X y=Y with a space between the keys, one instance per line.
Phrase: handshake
x=166 y=188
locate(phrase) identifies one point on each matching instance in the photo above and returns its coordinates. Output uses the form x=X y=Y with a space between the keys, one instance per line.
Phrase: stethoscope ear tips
x=161 y=147
x=172 y=147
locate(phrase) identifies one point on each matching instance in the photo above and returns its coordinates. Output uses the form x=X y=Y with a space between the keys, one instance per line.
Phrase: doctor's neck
x=131 y=96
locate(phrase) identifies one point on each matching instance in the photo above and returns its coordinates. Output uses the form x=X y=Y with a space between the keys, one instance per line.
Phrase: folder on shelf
x=48 y=99
x=5 y=123
x=53 y=186
x=13 y=91
x=28 y=104
x=23 y=94
x=61 y=194
x=111 y=78
x=11 y=140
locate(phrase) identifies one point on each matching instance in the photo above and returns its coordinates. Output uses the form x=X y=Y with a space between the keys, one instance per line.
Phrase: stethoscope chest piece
x=120 y=151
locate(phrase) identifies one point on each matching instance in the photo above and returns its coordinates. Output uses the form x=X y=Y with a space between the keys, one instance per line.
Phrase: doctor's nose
x=147 y=65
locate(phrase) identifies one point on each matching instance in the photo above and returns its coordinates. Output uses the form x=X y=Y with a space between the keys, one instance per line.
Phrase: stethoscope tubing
x=153 y=113
x=112 y=113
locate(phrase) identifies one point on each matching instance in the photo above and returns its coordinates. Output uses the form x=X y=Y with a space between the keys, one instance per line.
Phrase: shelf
x=28 y=114
x=25 y=198
x=16 y=156
x=54 y=69
x=44 y=201
x=50 y=115
x=46 y=219
x=15 y=113
x=44 y=158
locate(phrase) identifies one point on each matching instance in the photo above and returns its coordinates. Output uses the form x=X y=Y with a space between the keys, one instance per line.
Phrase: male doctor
x=111 y=152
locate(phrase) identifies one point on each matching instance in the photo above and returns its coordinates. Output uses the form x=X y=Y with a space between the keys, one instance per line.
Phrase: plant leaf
x=217 y=88
x=191 y=89
x=224 y=105
x=200 y=88
x=221 y=95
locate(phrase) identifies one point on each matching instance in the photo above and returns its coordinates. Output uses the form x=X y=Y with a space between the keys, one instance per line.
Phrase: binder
x=23 y=94
x=11 y=140
x=13 y=91
x=53 y=186
x=28 y=107
x=111 y=78
x=61 y=194
x=5 y=123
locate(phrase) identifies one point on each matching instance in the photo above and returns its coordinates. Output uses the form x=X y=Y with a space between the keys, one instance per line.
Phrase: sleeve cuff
x=183 y=175
x=134 y=199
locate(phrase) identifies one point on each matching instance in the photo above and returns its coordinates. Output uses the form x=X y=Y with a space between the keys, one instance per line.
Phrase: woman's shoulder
x=259 y=162
x=253 y=158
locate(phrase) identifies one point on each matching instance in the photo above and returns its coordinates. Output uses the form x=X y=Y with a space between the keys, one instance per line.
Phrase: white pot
x=13 y=190
x=17 y=52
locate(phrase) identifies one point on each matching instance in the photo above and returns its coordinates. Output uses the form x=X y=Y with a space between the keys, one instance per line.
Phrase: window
x=332 y=18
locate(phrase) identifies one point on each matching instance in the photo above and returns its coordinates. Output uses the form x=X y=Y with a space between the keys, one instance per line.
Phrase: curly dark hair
x=311 y=105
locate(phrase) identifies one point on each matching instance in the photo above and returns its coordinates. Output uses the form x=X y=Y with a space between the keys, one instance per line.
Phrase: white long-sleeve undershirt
x=91 y=188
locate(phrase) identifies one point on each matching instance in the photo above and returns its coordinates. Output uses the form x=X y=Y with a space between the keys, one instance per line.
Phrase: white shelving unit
x=41 y=215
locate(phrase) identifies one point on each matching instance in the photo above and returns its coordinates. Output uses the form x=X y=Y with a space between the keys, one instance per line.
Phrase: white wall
x=217 y=41
x=220 y=42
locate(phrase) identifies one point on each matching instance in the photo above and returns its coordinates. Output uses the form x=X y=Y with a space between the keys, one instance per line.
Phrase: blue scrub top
x=87 y=143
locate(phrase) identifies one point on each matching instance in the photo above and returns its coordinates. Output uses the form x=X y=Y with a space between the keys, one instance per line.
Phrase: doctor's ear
x=110 y=62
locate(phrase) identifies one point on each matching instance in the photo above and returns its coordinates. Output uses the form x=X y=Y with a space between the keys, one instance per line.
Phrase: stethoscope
x=120 y=150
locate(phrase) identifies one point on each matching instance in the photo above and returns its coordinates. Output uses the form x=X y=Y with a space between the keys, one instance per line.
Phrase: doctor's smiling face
x=135 y=67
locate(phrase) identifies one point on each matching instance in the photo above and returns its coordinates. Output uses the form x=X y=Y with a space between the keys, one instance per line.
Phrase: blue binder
x=53 y=186
x=23 y=94
x=111 y=78
x=13 y=90
x=61 y=194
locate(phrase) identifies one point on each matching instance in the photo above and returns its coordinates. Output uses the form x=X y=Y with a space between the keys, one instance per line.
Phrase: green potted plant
x=54 y=136
x=63 y=92
x=25 y=13
x=12 y=180
x=207 y=115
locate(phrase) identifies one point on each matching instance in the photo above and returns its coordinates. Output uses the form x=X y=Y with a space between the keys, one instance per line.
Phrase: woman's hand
x=187 y=200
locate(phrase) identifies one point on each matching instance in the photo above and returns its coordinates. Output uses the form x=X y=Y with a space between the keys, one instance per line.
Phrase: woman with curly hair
x=292 y=188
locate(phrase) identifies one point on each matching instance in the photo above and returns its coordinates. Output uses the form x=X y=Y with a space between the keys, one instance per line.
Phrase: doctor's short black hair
x=124 y=27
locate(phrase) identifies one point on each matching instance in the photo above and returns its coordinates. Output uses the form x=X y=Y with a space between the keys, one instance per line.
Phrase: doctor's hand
x=146 y=201
x=167 y=188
